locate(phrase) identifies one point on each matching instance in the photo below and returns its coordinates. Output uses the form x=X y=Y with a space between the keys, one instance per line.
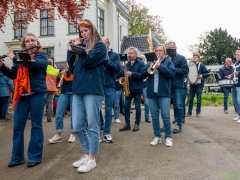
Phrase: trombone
x=152 y=69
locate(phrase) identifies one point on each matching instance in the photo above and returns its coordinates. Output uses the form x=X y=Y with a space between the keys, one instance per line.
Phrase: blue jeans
x=160 y=105
x=184 y=95
x=226 y=91
x=178 y=105
x=146 y=104
x=192 y=92
x=4 y=106
x=35 y=105
x=122 y=101
x=127 y=107
x=109 y=95
x=62 y=104
x=50 y=96
x=86 y=120
x=236 y=98
x=117 y=97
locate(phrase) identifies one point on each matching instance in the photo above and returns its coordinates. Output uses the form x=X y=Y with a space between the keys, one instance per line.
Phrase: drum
x=193 y=72
x=225 y=83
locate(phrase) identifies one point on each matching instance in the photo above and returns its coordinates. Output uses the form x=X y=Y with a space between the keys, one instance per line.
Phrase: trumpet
x=152 y=69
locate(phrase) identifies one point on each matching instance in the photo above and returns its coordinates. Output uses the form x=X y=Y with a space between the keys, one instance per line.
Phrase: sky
x=185 y=20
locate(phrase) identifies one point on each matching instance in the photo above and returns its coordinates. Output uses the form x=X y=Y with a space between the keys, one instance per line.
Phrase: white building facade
x=109 y=16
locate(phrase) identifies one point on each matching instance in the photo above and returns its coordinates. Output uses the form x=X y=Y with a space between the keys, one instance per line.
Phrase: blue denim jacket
x=36 y=70
x=89 y=70
x=166 y=74
x=5 y=84
x=181 y=68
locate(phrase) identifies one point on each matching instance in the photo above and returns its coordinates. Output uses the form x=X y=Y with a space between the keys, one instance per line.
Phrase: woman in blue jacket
x=159 y=95
x=29 y=96
x=88 y=91
x=5 y=85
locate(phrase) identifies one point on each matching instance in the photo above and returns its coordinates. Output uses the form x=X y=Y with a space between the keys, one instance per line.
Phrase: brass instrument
x=124 y=82
x=61 y=81
x=152 y=69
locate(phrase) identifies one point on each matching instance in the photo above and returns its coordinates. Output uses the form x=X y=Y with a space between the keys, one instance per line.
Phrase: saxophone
x=61 y=82
x=124 y=82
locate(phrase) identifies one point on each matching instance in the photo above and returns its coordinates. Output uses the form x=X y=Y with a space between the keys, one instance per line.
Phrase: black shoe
x=125 y=127
x=174 y=121
x=32 y=164
x=122 y=112
x=49 y=120
x=197 y=114
x=188 y=115
x=12 y=165
x=178 y=129
x=136 y=127
x=147 y=120
x=162 y=129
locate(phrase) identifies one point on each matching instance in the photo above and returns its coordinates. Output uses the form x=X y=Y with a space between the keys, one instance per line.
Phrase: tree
x=216 y=46
x=67 y=9
x=140 y=21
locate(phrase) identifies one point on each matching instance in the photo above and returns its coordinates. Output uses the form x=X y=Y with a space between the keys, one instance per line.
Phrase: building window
x=71 y=28
x=101 y=22
x=21 y=27
x=50 y=52
x=46 y=26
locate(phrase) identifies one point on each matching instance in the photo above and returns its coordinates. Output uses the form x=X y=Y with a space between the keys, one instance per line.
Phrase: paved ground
x=208 y=148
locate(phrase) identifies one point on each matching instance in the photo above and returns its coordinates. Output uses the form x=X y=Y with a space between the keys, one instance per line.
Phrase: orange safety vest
x=51 y=82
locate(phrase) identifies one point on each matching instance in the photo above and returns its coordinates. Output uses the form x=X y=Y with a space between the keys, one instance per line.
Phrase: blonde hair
x=161 y=45
x=94 y=35
x=23 y=46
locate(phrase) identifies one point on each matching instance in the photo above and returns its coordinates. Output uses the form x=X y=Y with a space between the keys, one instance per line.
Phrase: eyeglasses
x=160 y=50
x=31 y=40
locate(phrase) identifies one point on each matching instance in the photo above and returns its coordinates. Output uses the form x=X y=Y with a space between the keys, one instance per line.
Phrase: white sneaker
x=100 y=139
x=238 y=121
x=55 y=139
x=107 y=138
x=156 y=141
x=237 y=118
x=87 y=166
x=117 y=121
x=72 y=138
x=81 y=161
x=168 y=142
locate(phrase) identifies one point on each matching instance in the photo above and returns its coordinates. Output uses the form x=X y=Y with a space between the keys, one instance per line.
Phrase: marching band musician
x=64 y=101
x=144 y=93
x=159 y=95
x=236 y=87
x=177 y=86
x=88 y=91
x=112 y=69
x=197 y=88
x=29 y=96
x=226 y=72
x=133 y=73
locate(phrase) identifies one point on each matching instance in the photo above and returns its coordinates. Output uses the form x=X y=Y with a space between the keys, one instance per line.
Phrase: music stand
x=79 y=49
x=22 y=56
x=151 y=56
x=123 y=57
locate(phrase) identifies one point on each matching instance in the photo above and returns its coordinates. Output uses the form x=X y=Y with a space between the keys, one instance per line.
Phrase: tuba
x=124 y=82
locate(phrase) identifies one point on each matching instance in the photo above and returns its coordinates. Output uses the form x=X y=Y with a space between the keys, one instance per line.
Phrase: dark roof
x=138 y=41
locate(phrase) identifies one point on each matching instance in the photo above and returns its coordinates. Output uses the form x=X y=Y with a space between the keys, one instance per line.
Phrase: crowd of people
x=90 y=78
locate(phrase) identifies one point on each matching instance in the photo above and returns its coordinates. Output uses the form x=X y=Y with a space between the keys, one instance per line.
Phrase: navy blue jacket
x=181 y=68
x=36 y=70
x=238 y=69
x=166 y=73
x=118 y=85
x=113 y=67
x=204 y=72
x=136 y=80
x=89 y=70
x=224 y=71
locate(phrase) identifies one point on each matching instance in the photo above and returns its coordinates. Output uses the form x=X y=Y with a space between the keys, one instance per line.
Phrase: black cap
x=151 y=56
